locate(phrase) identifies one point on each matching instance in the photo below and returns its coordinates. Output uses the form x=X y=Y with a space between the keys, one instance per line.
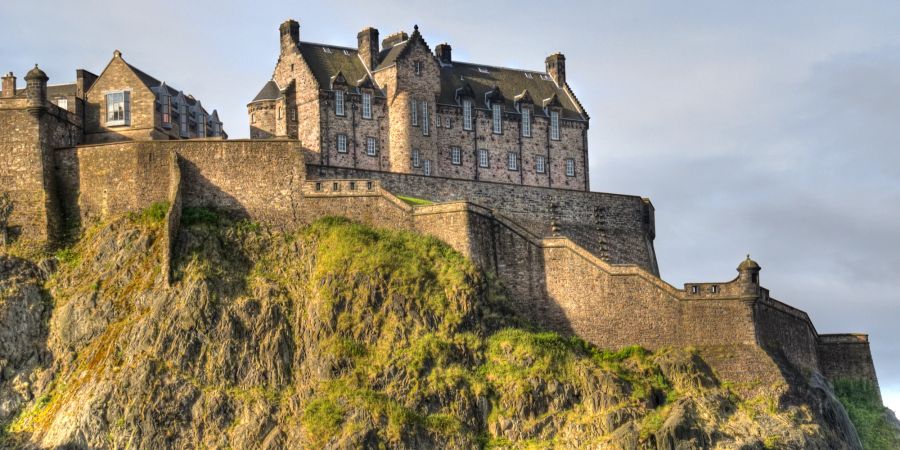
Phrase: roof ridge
x=330 y=45
x=500 y=67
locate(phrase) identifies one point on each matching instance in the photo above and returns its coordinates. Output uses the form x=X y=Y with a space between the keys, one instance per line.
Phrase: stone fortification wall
x=618 y=228
x=788 y=331
x=846 y=357
x=173 y=215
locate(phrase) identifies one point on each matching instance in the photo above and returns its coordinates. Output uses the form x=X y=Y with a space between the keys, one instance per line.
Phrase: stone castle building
x=499 y=154
x=395 y=106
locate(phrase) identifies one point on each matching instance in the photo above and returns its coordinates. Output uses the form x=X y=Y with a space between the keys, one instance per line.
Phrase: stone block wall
x=585 y=217
x=173 y=215
x=787 y=330
x=846 y=357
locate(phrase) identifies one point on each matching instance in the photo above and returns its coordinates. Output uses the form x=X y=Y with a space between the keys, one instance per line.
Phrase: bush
x=868 y=415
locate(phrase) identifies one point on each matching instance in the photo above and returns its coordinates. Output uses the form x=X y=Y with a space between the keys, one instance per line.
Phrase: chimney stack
x=556 y=67
x=367 y=45
x=442 y=51
x=290 y=35
x=9 y=85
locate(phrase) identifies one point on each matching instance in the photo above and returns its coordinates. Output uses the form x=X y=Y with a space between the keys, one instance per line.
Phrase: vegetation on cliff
x=877 y=426
x=336 y=335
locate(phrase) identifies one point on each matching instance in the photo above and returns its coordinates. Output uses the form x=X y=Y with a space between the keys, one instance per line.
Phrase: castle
x=499 y=154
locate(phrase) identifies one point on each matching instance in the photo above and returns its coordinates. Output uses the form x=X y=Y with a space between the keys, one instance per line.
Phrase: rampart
x=551 y=278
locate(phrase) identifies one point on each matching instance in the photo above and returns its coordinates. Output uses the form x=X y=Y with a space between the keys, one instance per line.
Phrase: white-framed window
x=540 y=164
x=482 y=158
x=512 y=161
x=570 y=167
x=342 y=143
x=418 y=67
x=367 y=105
x=467 y=114
x=448 y=123
x=183 y=120
x=371 y=148
x=437 y=120
x=117 y=108
x=554 y=125
x=526 y=121
x=498 y=118
x=339 y=103
x=415 y=157
x=414 y=112
x=427 y=168
x=425 y=128
x=63 y=103
x=455 y=156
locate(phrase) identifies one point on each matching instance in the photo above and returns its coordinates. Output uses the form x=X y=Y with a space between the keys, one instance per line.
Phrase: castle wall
x=846 y=357
x=26 y=166
x=788 y=331
x=585 y=217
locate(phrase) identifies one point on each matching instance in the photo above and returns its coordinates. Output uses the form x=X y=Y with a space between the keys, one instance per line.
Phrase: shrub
x=868 y=415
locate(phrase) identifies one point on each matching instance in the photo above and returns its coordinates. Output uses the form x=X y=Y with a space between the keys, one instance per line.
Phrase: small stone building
x=396 y=106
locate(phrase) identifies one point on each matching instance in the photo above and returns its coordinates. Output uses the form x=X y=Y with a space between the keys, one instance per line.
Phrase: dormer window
x=554 y=125
x=498 y=118
x=201 y=125
x=183 y=120
x=118 y=108
x=526 y=121
x=339 y=103
x=367 y=105
x=467 y=114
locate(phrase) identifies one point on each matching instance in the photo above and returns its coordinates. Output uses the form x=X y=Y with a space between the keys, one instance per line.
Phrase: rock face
x=338 y=336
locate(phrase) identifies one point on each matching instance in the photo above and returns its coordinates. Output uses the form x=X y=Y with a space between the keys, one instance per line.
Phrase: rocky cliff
x=337 y=336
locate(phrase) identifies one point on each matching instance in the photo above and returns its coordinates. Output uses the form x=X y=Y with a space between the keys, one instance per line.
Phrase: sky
x=769 y=128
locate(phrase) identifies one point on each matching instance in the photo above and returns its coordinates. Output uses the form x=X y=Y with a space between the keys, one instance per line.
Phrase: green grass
x=415 y=201
x=862 y=402
x=197 y=216
x=152 y=215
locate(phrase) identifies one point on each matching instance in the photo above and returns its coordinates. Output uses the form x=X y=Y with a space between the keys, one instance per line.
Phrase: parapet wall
x=846 y=357
x=618 y=228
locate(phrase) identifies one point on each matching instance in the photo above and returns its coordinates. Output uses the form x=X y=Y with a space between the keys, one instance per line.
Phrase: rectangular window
x=498 y=119
x=293 y=114
x=526 y=122
x=280 y=112
x=467 y=114
x=437 y=120
x=425 y=128
x=455 y=156
x=367 y=105
x=414 y=112
x=166 y=107
x=201 y=126
x=371 y=149
x=482 y=158
x=540 y=164
x=512 y=161
x=117 y=108
x=554 y=125
x=570 y=167
x=342 y=143
x=418 y=67
x=448 y=123
x=183 y=120
x=339 y=103
x=427 y=168
x=415 y=157
x=62 y=102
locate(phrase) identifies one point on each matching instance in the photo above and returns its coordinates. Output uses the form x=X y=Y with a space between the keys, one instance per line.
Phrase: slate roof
x=512 y=83
x=326 y=64
x=53 y=91
x=482 y=79
x=154 y=84
x=269 y=92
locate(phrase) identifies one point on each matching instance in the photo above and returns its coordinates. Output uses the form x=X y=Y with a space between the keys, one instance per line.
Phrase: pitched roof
x=269 y=91
x=511 y=83
x=326 y=61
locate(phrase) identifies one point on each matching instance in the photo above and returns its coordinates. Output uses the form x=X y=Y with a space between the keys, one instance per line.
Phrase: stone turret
x=556 y=68
x=290 y=35
x=748 y=276
x=36 y=90
x=9 y=85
